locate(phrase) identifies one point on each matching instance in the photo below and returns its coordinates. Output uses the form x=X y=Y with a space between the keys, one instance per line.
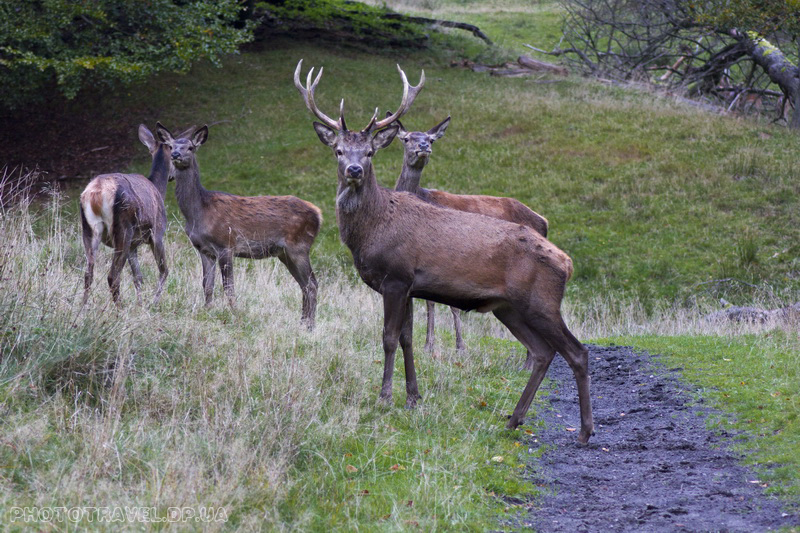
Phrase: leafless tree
x=679 y=44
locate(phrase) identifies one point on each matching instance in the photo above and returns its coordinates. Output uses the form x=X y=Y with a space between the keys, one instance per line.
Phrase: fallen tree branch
x=562 y=51
x=444 y=23
x=533 y=64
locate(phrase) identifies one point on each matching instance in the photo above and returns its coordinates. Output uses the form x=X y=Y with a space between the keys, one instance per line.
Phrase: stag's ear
x=326 y=134
x=200 y=135
x=384 y=137
x=163 y=133
x=146 y=136
x=437 y=132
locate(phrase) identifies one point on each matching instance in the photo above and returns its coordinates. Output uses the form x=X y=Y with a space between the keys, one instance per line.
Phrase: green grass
x=509 y=24
x=754 y=380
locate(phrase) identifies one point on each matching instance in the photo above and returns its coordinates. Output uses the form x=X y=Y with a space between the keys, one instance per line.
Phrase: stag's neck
x=189 y=192
x=159 y=171
x=409 y=178
x=357 y=210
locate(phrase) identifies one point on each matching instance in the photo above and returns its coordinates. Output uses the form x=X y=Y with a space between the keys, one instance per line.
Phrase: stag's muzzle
x=354 y=173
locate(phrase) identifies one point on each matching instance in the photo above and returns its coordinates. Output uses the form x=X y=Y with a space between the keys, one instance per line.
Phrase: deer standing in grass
x=417 y=149
x=404 y=248
x=222 y=226
x=124 y=211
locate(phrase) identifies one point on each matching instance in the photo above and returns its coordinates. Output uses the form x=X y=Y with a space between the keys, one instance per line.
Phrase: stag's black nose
x=354 y=171
x=176 y=154
x=426 y=147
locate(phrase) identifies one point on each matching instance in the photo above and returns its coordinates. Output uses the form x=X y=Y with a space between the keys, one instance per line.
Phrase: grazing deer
x=404 y=248
x=223 y=226
x=124 y=211
x=417 y=149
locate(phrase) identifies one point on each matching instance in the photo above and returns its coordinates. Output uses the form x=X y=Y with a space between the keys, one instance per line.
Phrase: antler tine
x=341 y=115
x=308 y=96
x=409 y=94
x=372 y=120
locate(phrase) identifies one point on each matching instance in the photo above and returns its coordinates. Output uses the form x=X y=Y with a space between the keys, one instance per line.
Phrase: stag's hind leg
x=299 y=266
x=577 y=355
x=460 y=346
x=552 y=329
x=136 y=272
x=157 y=246
x=542 y=355
x=91 y=243
x=122 y=247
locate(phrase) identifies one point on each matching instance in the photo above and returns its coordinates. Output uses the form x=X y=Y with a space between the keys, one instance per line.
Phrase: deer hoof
x=584 y=436
x=411 y=401
x=514 y=422
x=385 y=399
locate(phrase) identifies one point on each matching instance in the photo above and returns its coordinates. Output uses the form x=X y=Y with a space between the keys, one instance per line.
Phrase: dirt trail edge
x=654 y=468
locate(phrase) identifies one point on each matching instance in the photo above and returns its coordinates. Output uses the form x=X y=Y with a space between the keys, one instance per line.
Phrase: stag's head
x=417 y=145
x=182 y=147
x=354 y=149
x=148 y=139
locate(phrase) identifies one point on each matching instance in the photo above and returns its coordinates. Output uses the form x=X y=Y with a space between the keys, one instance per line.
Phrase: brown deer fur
x=222 y=226
x=404 y=247
x=417 y=149
x=124 y=211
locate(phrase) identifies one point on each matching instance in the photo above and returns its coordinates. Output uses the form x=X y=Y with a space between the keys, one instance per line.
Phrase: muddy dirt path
x=652 y=464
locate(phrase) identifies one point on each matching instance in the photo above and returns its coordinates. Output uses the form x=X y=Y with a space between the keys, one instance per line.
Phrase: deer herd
x=481 y=253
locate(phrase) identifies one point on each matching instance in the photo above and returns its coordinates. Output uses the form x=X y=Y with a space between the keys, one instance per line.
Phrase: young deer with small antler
x=406 y=248
x=417 y=149
x=124 y=211
x=222 y=226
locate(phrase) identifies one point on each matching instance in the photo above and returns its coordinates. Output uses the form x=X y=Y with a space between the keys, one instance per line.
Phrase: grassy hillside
x=649 y=197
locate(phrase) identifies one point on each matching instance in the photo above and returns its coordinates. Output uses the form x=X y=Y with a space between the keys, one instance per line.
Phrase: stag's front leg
x=395 y=302
x=209 y=271
x=430 y=335
x=406 y=343
x=460 y=346
x=226 y=269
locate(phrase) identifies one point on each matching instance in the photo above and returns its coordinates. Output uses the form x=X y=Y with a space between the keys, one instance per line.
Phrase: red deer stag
x=124 y=211
x=222 y=226
x=417 y=149
x=406 y=248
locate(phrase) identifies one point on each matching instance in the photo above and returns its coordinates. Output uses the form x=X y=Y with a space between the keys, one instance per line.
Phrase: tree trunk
x=779 y=69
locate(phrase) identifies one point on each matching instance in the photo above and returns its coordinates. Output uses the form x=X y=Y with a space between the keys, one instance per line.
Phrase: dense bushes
x=64 y=45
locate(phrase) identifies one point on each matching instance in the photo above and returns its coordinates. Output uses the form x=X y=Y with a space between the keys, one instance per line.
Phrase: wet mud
x=652 y=464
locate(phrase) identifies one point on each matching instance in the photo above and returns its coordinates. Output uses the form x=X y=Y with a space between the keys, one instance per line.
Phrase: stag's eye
x=339 y=152
x=370 y=153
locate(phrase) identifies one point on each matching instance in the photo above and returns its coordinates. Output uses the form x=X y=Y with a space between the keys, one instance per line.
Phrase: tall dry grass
x=178 y=405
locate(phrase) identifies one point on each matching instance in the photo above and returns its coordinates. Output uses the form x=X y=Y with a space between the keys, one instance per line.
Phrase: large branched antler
x=409 y=94
x=308 y=96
